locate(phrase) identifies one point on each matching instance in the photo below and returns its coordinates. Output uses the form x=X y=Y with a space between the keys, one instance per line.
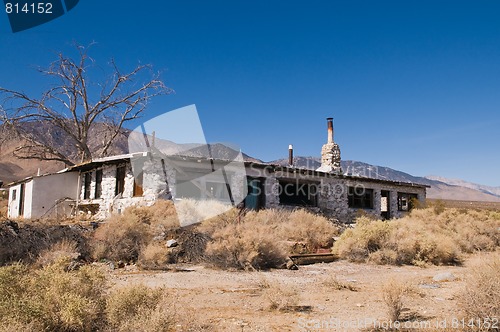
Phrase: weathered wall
x=332 y=194
x=332 y=191
x=48 y=190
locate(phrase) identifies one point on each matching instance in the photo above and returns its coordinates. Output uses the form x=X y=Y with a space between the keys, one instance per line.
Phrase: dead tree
x=78 y=117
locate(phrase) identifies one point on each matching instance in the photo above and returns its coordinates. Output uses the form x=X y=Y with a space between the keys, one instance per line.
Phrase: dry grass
x=62 y=250
x=393 y=293
x=332 y=282
x=258 y=240
x=278 y=296
x=121 y=238
x=162 y=215
x=245 y=246
x=155 y=256
x=139 y=308
x=52 y=299
x=481 y=297
x=426 y=236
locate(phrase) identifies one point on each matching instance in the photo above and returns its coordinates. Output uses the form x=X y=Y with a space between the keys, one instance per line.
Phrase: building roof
x=118 y=159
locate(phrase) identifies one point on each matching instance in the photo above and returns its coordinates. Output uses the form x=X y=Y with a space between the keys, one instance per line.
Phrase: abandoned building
x=109 y=185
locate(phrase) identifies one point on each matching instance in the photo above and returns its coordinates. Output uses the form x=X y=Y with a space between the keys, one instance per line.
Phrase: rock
x=429 y=286
x=446 y=276
x=159 y=238
x=172 y=243
x=120 y=264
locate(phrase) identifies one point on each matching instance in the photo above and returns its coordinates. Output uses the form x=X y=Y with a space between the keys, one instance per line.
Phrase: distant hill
x=457 y=182
x=12 y=169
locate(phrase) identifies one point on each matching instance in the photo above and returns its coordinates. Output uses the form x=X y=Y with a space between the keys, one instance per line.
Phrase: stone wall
x=331 y=191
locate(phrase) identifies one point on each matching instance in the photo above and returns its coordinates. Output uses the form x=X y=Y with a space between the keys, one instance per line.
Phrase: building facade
x=109 y=185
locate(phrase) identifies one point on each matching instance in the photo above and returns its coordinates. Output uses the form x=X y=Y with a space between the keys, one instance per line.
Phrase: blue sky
x=412 y=85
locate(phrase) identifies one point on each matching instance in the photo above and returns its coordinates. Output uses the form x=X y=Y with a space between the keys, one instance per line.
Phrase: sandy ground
x=238 y=301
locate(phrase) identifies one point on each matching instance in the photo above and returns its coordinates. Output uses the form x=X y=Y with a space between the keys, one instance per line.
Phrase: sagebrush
x=423 y=237
x=54 y=299
x=481 y=296
x=260 y=240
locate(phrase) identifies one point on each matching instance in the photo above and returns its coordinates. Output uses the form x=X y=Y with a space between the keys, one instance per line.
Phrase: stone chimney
x=330 y=153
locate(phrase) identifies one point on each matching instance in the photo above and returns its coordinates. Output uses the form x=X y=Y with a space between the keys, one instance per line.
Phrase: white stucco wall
x=26 y=195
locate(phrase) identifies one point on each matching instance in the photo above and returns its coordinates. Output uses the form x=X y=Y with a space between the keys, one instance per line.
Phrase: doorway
x=385 y=204
x=256 y=196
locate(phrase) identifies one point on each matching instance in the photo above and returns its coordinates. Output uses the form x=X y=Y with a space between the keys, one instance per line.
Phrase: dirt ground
x=238 y=301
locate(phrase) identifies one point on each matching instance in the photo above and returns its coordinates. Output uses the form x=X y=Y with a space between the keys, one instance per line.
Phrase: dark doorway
x=256 y=196
x=385 y=204
x=21 y=200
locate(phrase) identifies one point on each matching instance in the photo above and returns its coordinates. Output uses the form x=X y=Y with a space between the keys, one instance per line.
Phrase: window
x=406 y=201
x=87 y=181
x=98 y=183
x=360 y=197
x=120 y=180
x=14 y=194
x=297 y=193
x=138 y=191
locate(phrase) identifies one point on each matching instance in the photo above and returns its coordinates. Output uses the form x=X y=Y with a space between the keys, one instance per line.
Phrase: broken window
x=120 y=180
x=138 y=191
x=297 y=193
x=360 y=197
x=406 y=201
x=87 y=181
x=98 y=183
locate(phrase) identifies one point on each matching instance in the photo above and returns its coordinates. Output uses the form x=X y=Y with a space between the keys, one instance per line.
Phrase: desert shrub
x=332 y=282
x=438 y=207
x=161 y=215
x=367 y=237
x=279 y=297
x=121 y=238
x=52 y=299
x=139 y=308
x=423 y=237
x=63 y=250
x=257 y=239
x=154 y=256
x=245 y=246
x=481 y=297
x=393 y=293
x=314 y=230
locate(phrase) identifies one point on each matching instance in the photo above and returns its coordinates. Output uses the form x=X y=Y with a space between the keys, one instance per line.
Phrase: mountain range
x=12 y=169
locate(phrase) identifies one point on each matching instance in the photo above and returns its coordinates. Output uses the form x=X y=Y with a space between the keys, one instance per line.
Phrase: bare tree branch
x=59 y=125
